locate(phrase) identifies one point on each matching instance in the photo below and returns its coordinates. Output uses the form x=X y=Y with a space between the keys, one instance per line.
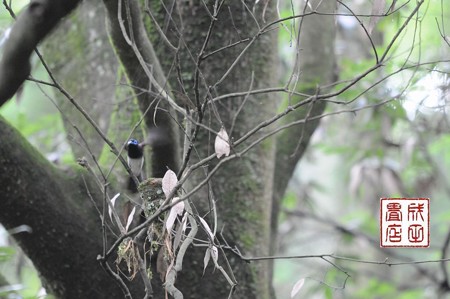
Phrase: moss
x=239 y=204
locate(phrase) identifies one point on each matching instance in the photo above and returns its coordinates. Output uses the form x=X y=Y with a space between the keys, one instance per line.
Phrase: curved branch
x=31 y=27
x=66 y=234
x=172 y=273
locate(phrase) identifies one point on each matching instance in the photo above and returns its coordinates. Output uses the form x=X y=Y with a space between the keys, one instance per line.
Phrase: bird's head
x=133 y=143
x=134 y=148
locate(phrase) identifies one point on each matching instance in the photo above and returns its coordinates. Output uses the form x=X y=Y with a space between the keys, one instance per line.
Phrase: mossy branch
x=31 y=27
x=57 y=205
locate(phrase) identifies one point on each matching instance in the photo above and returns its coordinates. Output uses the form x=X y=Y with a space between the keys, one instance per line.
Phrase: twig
x=233 y=122
x=143 y=272
x=160 y=31
x=116 y=277
x=374 y=49
x=111 y=145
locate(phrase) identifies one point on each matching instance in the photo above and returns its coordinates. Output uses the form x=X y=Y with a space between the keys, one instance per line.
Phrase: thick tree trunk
x=242 y=189
x=66 y=232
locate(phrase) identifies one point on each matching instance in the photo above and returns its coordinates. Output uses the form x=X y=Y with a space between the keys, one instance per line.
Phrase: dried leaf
x=130 y=218
x=214 y=254
x=179 y=233
x=171 y=220
x=221 y=144
x=377 y=10
x=113 y=201
x=207 y=228
x=184 y=222
x=206 y=259
x=169 y=181
x=177 y=238
x=177 y=209
x=297 y=286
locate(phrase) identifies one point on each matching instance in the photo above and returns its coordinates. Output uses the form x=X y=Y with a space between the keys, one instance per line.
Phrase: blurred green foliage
x=22 y=280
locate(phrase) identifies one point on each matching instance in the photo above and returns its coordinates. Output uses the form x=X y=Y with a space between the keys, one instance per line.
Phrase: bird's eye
x=133 y=141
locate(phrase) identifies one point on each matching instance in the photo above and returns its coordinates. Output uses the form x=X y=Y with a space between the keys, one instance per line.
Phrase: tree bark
x=242 y=189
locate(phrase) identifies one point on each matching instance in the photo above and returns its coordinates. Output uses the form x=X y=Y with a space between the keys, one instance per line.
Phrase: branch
x=372 y=242
x=384 y=262
x=30 y=28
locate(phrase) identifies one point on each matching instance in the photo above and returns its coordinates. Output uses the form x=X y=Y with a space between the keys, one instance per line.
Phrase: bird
x=135 y=157
x=135 y=160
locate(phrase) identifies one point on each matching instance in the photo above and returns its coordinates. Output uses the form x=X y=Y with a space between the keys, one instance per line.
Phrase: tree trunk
x=315 y=67
x=242 y=189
